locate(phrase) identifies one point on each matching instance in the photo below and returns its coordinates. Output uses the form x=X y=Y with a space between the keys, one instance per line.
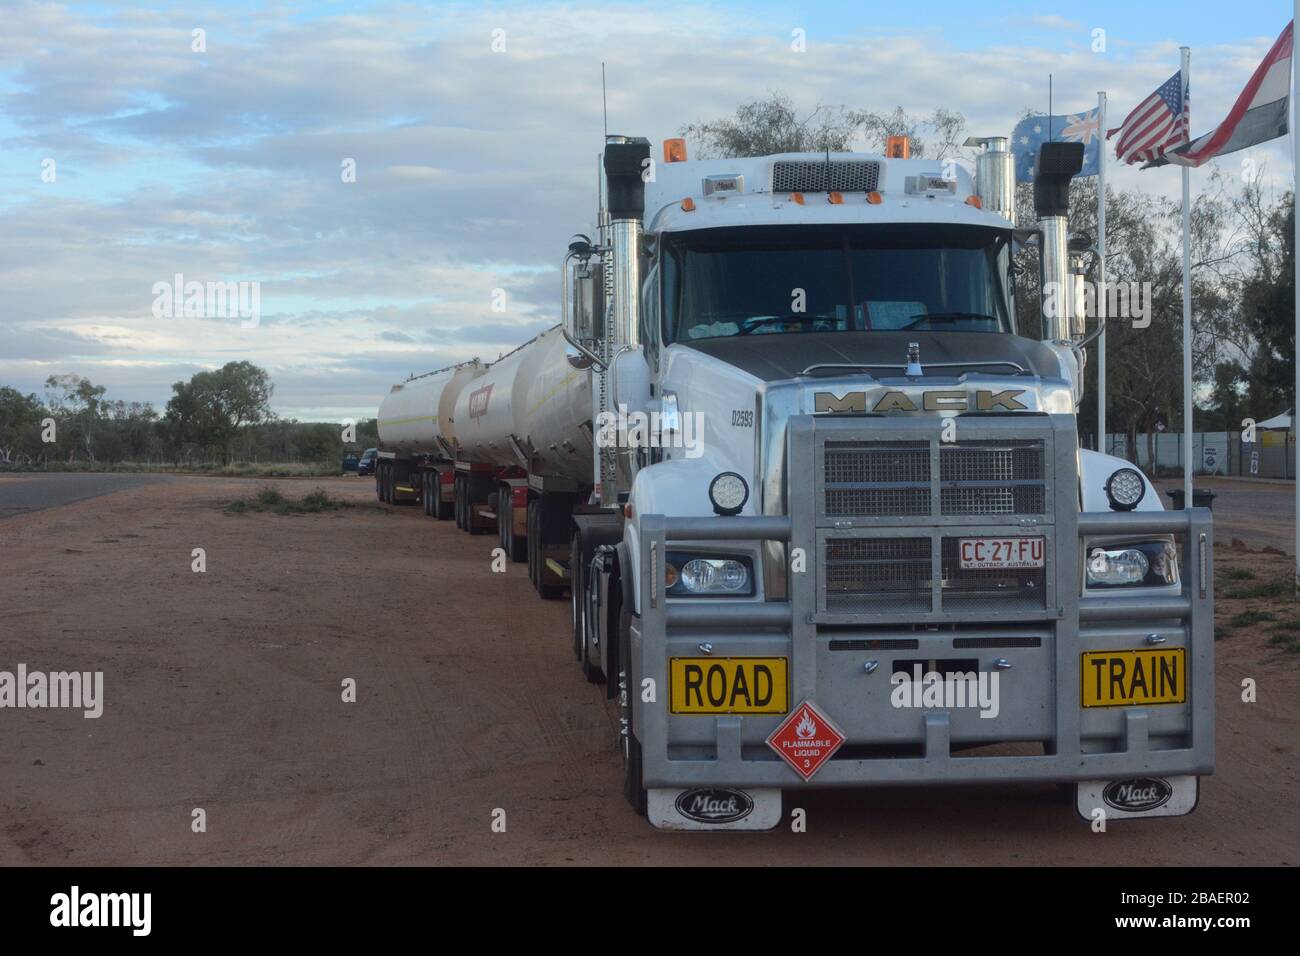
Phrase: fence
x=1271 y=455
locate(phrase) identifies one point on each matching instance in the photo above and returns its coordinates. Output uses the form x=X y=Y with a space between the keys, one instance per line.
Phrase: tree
x=209 y=410
x=20 y=425
x=763 y=127
x=75 y=403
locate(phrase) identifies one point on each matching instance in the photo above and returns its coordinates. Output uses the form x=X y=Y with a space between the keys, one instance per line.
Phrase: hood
x=778 y=356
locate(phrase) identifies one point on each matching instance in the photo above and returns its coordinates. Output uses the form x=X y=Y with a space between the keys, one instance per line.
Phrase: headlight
x=687 y=575
x=1125 y=489
x=1147 y=564
x=728 y=492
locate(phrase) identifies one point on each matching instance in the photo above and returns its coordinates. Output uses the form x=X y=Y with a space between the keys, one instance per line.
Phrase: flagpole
x=1295 y=407
x=1187 y=299
x=1101 y=256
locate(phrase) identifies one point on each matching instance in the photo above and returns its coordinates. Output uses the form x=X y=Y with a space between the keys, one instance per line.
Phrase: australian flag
x=1032 y=131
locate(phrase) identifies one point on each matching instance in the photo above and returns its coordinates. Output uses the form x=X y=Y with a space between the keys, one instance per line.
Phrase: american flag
x=1159 y=123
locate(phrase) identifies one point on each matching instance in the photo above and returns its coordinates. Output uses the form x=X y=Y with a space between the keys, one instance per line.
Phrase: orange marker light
x=835 y=199
x=674 y=150
x=974 y=201
x=875 y=198
x=688 y=204
x=898 y=147
x=797 y=197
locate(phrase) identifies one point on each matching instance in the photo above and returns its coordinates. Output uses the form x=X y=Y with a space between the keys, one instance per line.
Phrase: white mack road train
x=819 y=503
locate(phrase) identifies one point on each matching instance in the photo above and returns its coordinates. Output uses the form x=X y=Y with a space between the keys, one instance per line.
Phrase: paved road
x=1260 y=513
x=22 y=493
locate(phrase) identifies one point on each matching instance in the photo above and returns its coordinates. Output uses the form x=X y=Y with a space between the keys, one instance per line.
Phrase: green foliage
x=271 y=499
x=1247 y=618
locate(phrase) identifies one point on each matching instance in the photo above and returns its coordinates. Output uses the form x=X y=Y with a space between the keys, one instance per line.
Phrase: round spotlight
x=1125 y=489
x=728 y=492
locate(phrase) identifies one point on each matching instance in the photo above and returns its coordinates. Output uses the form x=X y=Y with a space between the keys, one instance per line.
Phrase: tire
x=460 y=503
x=578 y=602
x=442 y=510
x=532 y=542
x=517 y=548
x=633 y=775
x=379 y=484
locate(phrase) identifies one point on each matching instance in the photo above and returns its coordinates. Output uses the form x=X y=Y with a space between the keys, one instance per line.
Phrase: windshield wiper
x=945 y=317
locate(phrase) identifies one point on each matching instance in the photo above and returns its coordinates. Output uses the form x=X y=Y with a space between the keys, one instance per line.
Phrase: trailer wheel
x=379 y=482
x=460 y=503
x=531 y=522
x=633 y=775
x=442 y=510
x=517 y=548
x=578 y=597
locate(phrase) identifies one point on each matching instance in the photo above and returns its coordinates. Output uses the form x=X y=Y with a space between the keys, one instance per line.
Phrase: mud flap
x=714 y=808
x=1137 y=797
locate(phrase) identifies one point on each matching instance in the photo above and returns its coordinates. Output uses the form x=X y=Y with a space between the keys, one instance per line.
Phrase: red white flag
x=1260 y=113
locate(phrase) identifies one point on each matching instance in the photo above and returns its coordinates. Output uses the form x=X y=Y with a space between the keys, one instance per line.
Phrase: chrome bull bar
x=1081 y=744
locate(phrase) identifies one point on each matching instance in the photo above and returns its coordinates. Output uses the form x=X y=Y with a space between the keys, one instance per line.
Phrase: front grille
x=890 y=524
x=818 y=176
x=877 y=574
x=972 y=589
x=870 y=479
x=992 y=478
x=877 y=478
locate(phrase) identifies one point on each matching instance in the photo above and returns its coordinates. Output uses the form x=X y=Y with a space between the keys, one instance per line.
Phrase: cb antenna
x=604 y=106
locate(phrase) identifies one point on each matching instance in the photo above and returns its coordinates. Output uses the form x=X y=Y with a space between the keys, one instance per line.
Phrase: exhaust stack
x=1056 y=165
x=995 y=176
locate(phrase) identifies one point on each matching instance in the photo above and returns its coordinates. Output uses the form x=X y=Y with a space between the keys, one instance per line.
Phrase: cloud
x=473 y=168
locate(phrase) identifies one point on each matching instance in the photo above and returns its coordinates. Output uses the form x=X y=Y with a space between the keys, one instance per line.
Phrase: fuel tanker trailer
x=417 y=439
x=523 y=435
x=815 y=487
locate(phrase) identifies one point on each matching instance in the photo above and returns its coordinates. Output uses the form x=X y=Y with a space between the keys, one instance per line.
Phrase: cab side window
x=649 y=325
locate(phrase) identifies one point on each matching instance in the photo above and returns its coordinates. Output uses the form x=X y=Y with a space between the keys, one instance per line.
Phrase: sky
x=129 y=158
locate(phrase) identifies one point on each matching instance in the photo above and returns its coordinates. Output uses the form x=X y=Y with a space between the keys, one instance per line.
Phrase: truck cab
x=841 y=532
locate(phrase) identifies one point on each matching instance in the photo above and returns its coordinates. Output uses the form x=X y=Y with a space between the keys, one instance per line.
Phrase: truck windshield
x=762 y=280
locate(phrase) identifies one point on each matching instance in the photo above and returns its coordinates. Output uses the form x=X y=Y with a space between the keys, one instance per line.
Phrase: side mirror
x=581 y=361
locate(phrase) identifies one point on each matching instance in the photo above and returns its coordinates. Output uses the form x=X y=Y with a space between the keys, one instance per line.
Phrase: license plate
x=728 y=685
x=1123 y=678
x=1001 y=554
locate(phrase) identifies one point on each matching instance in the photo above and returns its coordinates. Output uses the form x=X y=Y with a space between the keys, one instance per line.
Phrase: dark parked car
x=366 y=466
x=350 y=462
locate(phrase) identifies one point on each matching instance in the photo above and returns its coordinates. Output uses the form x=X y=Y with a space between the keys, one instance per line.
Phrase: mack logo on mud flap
x=1142 y=793
x=934 y=400
x=714 y=805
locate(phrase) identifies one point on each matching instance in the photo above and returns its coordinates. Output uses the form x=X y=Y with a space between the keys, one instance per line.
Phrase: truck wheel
x=517 y=548
x=442 y=510
x=428 y=489
x=460 y=503
x=633 y=774
x=578 y=597
x=474 y=495
x=532 y=541
x=379 y=483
